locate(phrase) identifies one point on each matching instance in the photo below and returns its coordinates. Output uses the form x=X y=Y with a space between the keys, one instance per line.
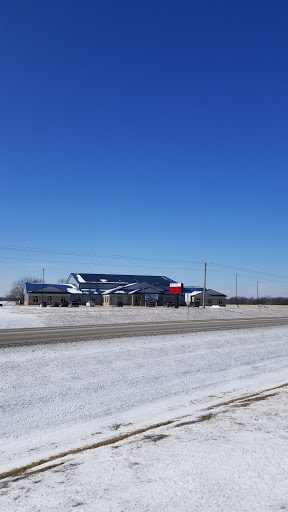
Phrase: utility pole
x=236 y=292
x=43 y=269
x=205 y=266
x=257 y=295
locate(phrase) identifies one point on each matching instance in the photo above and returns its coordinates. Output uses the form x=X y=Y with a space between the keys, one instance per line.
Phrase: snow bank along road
x=38 y=335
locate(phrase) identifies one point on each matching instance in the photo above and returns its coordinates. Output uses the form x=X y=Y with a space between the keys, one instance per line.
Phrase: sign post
x=176 y=289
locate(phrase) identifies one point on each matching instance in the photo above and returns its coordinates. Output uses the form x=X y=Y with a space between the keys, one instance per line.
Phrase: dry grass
x=107 y=442
x=247 y=397
x=249 y=401
x=205 y=417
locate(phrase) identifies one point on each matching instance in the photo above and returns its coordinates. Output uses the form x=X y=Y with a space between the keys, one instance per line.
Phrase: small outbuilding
x=212 y=298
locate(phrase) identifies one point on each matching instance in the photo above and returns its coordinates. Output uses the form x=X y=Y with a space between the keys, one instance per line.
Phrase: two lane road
x=86 y=332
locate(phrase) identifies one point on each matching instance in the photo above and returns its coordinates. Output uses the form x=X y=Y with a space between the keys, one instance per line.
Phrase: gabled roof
x=208 y=293
x=121 y=279
x=213 y=293
x=62 y=288
x=191 y=289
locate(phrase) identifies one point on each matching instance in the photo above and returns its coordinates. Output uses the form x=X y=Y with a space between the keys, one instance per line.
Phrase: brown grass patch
x=247 y=397
x=36 y=471
x=250 y=401
x=107 y=442
x=205 y=417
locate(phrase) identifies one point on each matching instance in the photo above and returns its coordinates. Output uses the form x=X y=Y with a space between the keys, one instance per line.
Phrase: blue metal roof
x=191 y=289
x=32 y=287
x=124 y=279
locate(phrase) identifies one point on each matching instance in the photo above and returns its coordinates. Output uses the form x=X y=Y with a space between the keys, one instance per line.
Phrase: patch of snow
x=80 y=278
x=74 y=290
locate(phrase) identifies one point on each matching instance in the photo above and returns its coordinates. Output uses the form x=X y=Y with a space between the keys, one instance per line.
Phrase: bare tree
x=16 y=291
x=62 y=280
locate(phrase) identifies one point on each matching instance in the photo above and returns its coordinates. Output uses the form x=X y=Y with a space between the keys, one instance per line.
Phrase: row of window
x=106 y=299
x=220 y=302
x=48 y=299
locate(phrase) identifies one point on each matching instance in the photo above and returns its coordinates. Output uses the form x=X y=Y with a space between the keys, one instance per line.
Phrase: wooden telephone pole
x=205 y=266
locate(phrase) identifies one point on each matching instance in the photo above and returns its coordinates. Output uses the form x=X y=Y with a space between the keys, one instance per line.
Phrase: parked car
x=55 y=305
x=168 y=304
x=43 y=304
x=151 y=304
x=119 y=304
x=64 y=304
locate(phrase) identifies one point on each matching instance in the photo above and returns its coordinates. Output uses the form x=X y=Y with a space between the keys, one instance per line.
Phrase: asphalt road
x=86 y=332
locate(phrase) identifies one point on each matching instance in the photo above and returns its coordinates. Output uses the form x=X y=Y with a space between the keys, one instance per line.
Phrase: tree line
x=265 y=301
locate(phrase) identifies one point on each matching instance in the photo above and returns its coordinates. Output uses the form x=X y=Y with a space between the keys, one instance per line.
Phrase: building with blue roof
x=112 y=289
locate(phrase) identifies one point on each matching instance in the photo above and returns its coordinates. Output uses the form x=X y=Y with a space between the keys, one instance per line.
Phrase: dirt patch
x=116 y=426
x=155 y=438
x=205 y=417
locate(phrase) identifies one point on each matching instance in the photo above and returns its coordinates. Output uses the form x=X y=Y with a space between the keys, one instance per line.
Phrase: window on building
x=220 y=302
x=35 y=298
x=78 y=299
x=209 y=301
x=63 y=300
x=49 y=298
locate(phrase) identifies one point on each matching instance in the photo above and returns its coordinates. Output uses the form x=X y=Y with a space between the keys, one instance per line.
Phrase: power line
x=250 y=270
x=91 y=263
x=266 y=279
x=92 y=254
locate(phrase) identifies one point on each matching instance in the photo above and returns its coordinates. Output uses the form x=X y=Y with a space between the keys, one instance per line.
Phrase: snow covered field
x=233 y=456
x=12 y=317
x=235 y=459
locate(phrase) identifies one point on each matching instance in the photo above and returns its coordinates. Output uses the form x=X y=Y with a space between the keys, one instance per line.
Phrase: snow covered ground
x=12 y=316
x=233 y=456
x=233 y=459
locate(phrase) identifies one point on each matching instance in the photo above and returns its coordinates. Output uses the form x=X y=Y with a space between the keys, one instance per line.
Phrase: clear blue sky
x=145 y=137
